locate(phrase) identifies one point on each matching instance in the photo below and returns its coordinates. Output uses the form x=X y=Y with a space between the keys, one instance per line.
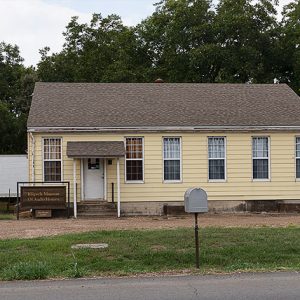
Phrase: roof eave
x=161 y=128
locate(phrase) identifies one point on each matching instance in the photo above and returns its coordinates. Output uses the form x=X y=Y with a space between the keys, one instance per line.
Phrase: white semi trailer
x=13 y=168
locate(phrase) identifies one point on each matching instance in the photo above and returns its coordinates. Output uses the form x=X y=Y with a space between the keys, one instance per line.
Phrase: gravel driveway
x=29 y=228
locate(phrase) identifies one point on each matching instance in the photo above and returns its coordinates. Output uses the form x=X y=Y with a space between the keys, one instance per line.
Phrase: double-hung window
x=298 y=157
x=134 y=159
x=52 y=159
x=260 y=157
x=216 y=158
x=172 y=158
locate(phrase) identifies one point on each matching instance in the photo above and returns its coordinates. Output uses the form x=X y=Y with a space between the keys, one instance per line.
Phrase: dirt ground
x=29 y=228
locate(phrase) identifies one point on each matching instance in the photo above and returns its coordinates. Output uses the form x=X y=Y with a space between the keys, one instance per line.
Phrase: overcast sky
x=34 y=24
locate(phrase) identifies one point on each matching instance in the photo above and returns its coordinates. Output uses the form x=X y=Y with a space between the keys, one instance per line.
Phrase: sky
x=34 y=24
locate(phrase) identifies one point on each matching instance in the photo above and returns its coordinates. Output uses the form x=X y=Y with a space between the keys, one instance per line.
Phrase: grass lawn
x=7 y=217
x=136 y=252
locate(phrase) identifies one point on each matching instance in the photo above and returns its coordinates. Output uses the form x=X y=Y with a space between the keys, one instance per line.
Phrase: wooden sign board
x=43 y=197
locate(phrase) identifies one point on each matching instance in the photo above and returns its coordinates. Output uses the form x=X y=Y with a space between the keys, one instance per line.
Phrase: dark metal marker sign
x=43 y=197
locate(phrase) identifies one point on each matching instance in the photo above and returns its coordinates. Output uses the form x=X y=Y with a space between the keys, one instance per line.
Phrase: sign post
x=197 y=241
x=195 y=201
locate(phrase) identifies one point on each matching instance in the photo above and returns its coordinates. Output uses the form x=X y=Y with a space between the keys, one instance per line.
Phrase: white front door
x=93 y=181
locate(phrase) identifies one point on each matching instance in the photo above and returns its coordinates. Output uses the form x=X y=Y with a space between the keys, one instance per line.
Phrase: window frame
x=143 y=160
x=225 y=158
x=163 y=160
x=296 y=157
x=269 y=158
x=61 y=159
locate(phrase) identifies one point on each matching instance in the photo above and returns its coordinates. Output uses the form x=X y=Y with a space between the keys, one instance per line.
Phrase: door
x=93 y=178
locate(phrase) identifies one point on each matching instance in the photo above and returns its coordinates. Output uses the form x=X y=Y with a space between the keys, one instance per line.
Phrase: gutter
x=32 y=156
x=163 y=128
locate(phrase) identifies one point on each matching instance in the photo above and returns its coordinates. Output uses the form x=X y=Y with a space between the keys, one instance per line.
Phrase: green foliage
x=103 y=51
x=247 y=32
x=238 y=41
x=6 y=216
x=12 y=131
x=16 y=86
x=289 y=46
x=180 y=41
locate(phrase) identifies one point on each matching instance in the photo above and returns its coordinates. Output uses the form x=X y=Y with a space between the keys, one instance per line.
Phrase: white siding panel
x=13 y=168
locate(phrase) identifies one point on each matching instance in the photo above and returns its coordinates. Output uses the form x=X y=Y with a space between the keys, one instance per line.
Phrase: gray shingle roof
x=95 y=149
x=162 y=105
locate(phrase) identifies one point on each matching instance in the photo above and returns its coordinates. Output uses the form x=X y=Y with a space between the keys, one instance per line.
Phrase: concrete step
x=97 y=207
x=95 y=212
x=97 y=215
x=93 y=201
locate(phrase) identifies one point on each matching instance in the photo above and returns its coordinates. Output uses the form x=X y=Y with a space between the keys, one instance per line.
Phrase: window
x=172 y=157
x=260 y=155
x=52 y=159
x=298 y=157
x=134 y=159
x=93 y=164
x=216 y=158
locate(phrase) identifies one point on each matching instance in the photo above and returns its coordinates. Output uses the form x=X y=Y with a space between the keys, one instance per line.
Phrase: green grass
x=7 y=217
x=136 y=252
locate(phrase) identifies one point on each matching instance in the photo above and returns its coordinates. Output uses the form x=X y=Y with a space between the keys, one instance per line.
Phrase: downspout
x=74 y=188
x=32 y=156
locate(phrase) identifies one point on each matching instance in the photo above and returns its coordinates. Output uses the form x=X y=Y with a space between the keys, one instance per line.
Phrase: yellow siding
x=238 y=186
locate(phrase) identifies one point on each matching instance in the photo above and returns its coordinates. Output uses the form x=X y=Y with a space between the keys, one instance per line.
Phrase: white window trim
x=163 y=159
x=295 y=160
x=143 y=160
x=225 y=159
x=43 y=159
x=269 y=159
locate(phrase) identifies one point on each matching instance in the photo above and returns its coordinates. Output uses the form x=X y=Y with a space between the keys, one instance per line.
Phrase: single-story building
x=143 y=145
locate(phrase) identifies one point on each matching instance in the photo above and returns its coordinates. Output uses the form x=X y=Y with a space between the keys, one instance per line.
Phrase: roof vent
x=159 y=80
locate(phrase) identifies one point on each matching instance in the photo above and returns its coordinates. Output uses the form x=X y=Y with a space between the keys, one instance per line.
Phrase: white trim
x=225 y=158
x=295 y=158
x=33 y=157
x=61 y=159
x=105 y=178
x=160 y=128
x=74 y=188
x=119 y=187
x=81 y=179
x=163 y=160
x=269 y=159
x=143 y=160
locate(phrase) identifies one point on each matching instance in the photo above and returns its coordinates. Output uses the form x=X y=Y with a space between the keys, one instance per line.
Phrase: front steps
x=96 y=209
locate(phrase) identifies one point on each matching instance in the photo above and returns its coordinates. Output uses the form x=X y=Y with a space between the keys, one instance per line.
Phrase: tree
x=189 y=41
x=16 y=86
x=10 y=71
x=179 y=40
x=247 y=32
x=7 y=130
x=103 y=51
x=289 y=63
